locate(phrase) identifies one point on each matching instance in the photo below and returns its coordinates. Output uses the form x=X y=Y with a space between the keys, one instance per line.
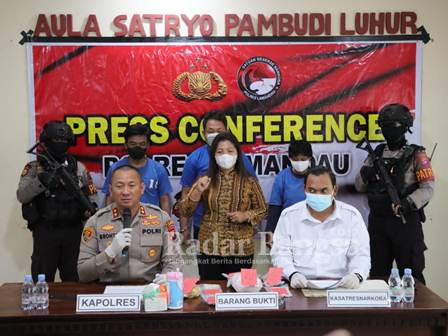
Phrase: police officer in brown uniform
x=54 y=213
x=114 y=248
x=413 y=178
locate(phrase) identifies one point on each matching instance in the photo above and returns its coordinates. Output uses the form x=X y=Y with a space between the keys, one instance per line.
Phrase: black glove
x=48 y=179
x=407 y=205
x=368 y=174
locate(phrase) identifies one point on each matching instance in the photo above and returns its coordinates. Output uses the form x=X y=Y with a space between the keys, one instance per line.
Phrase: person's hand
x=350 y=281
x=120 y=241
x=160 y=279
x=405 y=206
x=49 y=180
x=203 y=183
x=238 y=217
x=368 y=174
x=298 y=280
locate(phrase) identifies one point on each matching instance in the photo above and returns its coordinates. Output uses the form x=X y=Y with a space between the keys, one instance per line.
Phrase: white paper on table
x=322 y=284
x=124 y=290
x=365 y=286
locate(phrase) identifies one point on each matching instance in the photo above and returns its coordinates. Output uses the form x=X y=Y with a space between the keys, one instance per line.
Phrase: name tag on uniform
x=246 y=301
x=86 y=303
x=358 y=298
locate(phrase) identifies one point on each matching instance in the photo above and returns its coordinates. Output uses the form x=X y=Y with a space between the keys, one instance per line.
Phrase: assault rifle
x=378 y=163
x=66 y=179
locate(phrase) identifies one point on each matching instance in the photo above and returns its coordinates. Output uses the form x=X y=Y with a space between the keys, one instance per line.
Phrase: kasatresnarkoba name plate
x=358 y=298
x=86 y=303
x=246 y=301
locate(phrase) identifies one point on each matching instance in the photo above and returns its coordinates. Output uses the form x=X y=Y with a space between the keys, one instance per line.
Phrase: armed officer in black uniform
x=392 y=237
x=53 y=210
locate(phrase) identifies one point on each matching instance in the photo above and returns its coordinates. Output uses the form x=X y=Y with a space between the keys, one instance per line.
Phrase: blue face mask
x=318 y=202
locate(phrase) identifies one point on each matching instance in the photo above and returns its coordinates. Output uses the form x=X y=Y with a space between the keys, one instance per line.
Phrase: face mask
x=137 y=152
x=210 y=137
x=300 y=166
x=319 y=202
x=226 y=161
x=394 y=136
x=58 y=149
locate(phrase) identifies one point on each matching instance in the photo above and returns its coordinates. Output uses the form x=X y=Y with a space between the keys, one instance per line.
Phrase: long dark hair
x=213 y=168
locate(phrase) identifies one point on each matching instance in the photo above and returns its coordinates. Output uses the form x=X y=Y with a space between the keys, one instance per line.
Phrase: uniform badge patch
x=26 y=170
x=87 y=234
x=142 y=210
x=170 y=226
x=107 y=227
x=91 y=189
x=423 y=169
x=152 y=253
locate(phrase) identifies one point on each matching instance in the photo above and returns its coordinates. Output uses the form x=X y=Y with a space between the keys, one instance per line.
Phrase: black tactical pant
x=391 y=240
x=56 y=247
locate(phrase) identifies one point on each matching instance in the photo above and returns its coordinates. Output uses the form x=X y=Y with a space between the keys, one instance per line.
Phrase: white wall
x=15 y=239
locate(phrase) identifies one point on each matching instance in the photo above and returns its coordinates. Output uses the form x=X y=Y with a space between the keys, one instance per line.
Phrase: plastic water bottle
x=395 y=290
x=41 y=292
x=176 y=290
x=408 y=286
x=27 y=293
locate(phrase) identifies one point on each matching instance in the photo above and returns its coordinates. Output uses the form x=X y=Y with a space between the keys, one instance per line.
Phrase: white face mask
x=300 y=166
x=210 y=137
x=225 y=161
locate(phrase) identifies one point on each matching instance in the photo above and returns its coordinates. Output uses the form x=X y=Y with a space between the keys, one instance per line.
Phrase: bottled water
x=395 y=290
x=27 y=293
x=175 y=288
x=41 y=292
x=408 y=286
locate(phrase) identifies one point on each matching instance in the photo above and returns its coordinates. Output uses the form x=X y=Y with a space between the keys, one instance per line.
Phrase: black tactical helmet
x=395 y=112
x=57 y=130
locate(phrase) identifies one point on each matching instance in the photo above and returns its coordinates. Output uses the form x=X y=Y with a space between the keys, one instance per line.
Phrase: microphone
x=126 y=224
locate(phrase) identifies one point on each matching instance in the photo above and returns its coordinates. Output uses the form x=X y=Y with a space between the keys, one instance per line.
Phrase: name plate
x=86 y=303
x=358 y=298
x=246 y=301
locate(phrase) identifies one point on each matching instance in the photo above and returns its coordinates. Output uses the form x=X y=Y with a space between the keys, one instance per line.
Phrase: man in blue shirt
x=288 y=188
x=197 y=163
x=154 y=175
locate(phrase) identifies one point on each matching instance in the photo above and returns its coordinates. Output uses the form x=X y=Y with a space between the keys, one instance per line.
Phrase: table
x=298 y=316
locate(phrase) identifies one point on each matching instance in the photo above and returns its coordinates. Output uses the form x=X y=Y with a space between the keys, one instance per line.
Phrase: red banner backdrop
x=272 y=92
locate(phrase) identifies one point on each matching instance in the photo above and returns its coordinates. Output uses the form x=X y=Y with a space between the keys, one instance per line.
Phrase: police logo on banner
x=259 y=78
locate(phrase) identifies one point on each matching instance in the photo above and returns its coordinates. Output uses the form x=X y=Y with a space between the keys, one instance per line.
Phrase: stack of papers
x=125 y=290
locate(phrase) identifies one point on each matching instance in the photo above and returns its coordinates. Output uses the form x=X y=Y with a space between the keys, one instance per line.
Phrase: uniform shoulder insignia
x=115 y=213
x=142 y=210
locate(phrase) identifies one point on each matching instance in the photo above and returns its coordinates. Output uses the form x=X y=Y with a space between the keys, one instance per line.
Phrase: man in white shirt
x=321 y=237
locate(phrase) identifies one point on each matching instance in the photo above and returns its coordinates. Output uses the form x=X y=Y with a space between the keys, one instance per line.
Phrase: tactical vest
x=378 y=198
x=56 y=206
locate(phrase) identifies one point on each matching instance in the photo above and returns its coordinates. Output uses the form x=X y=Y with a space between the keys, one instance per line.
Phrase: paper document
x=322 y=284
x=365 y=286
x=124 y=290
